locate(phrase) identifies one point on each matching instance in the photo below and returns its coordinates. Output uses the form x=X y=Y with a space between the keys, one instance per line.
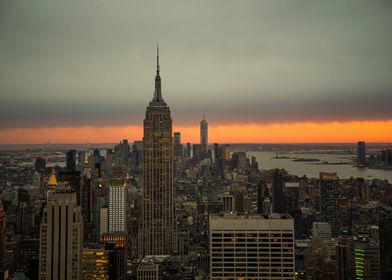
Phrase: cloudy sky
x=77 y=66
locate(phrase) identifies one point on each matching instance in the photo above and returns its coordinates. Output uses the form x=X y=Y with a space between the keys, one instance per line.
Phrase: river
x=267 y=160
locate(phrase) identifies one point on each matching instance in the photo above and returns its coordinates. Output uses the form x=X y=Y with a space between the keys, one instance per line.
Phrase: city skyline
x=278 y=79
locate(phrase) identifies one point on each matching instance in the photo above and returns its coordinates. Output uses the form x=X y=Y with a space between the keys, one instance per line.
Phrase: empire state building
x=158 y=228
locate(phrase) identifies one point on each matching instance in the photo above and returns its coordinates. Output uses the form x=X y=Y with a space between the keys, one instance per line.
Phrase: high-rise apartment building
x=251 y=247
x=204 y=136
x=157 y=225
x=117 y=205
x=61 y=236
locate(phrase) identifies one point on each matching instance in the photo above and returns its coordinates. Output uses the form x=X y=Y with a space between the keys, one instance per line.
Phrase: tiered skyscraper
x=157 y=234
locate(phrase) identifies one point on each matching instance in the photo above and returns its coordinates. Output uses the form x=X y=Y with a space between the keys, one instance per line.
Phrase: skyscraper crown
x=158 y=100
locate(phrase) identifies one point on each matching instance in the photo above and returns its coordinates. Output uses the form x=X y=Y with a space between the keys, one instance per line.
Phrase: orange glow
x=305 y=132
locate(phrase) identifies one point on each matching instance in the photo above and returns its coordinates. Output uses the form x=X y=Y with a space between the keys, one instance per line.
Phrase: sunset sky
x=265 y=71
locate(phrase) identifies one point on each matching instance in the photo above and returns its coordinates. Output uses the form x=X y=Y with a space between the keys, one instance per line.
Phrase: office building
x=177 y=146
x=361 y=154
x=226 y=153
x=117 y=256
x=251 y=247
x=122 y=152
x=3 y=237
x=262 y=193
x=204 y=137
x=61 y=236
x=70 y=160
x=341 y=253
x=117 y=205
x=385 y=239
x=95 y=262
x=40 y=164
x=187 y=151
x=279 y=203
x=238 y=160
x=363 y=258
x=197 y=153
x=73 y=179
x=218 y=161
x=157 y=227
x=228 y=202
x=329 y=194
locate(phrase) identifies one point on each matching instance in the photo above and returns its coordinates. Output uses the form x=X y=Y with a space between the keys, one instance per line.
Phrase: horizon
x=294 y=73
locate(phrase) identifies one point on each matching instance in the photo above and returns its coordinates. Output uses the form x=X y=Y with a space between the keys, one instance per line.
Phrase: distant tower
x=158 y=228
x=117 y=205
x=279 y=204
x=204 y=136
x=361 y=154
x=61 y=236
x=187 y=154
x=177 y=145
x=71 y=160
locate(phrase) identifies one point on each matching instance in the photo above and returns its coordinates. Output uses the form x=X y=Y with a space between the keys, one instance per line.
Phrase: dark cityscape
x=224 y=183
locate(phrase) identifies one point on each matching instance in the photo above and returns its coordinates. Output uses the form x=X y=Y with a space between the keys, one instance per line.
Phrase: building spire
x=204 y=114
x=157 y=60
x=158 y=100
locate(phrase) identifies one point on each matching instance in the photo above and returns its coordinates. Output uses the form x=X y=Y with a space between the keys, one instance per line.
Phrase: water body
x=267 y=160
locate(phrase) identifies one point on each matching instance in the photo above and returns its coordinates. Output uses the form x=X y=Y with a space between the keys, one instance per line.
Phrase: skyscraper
x=74 y=179
x=157 y=233
x=117 y=205
x=329 y=194
x=177 y=145
x=363 y=258
x=251 y=247
x=187 y=153
x=279 y=203
x=61 y=236
x=385 y=229
x=95 y=262
x=71 y=160
x=197 y=153
x=204 y=136
x=2 y=242
x=361 y=154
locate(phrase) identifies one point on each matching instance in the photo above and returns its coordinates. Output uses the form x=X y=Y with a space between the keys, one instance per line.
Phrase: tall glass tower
x=204 y=136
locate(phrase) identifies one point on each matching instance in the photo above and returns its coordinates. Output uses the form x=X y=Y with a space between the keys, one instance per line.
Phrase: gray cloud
x=92 y=62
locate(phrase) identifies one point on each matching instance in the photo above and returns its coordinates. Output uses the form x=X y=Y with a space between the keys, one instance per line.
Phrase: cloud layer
x=77 y=63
